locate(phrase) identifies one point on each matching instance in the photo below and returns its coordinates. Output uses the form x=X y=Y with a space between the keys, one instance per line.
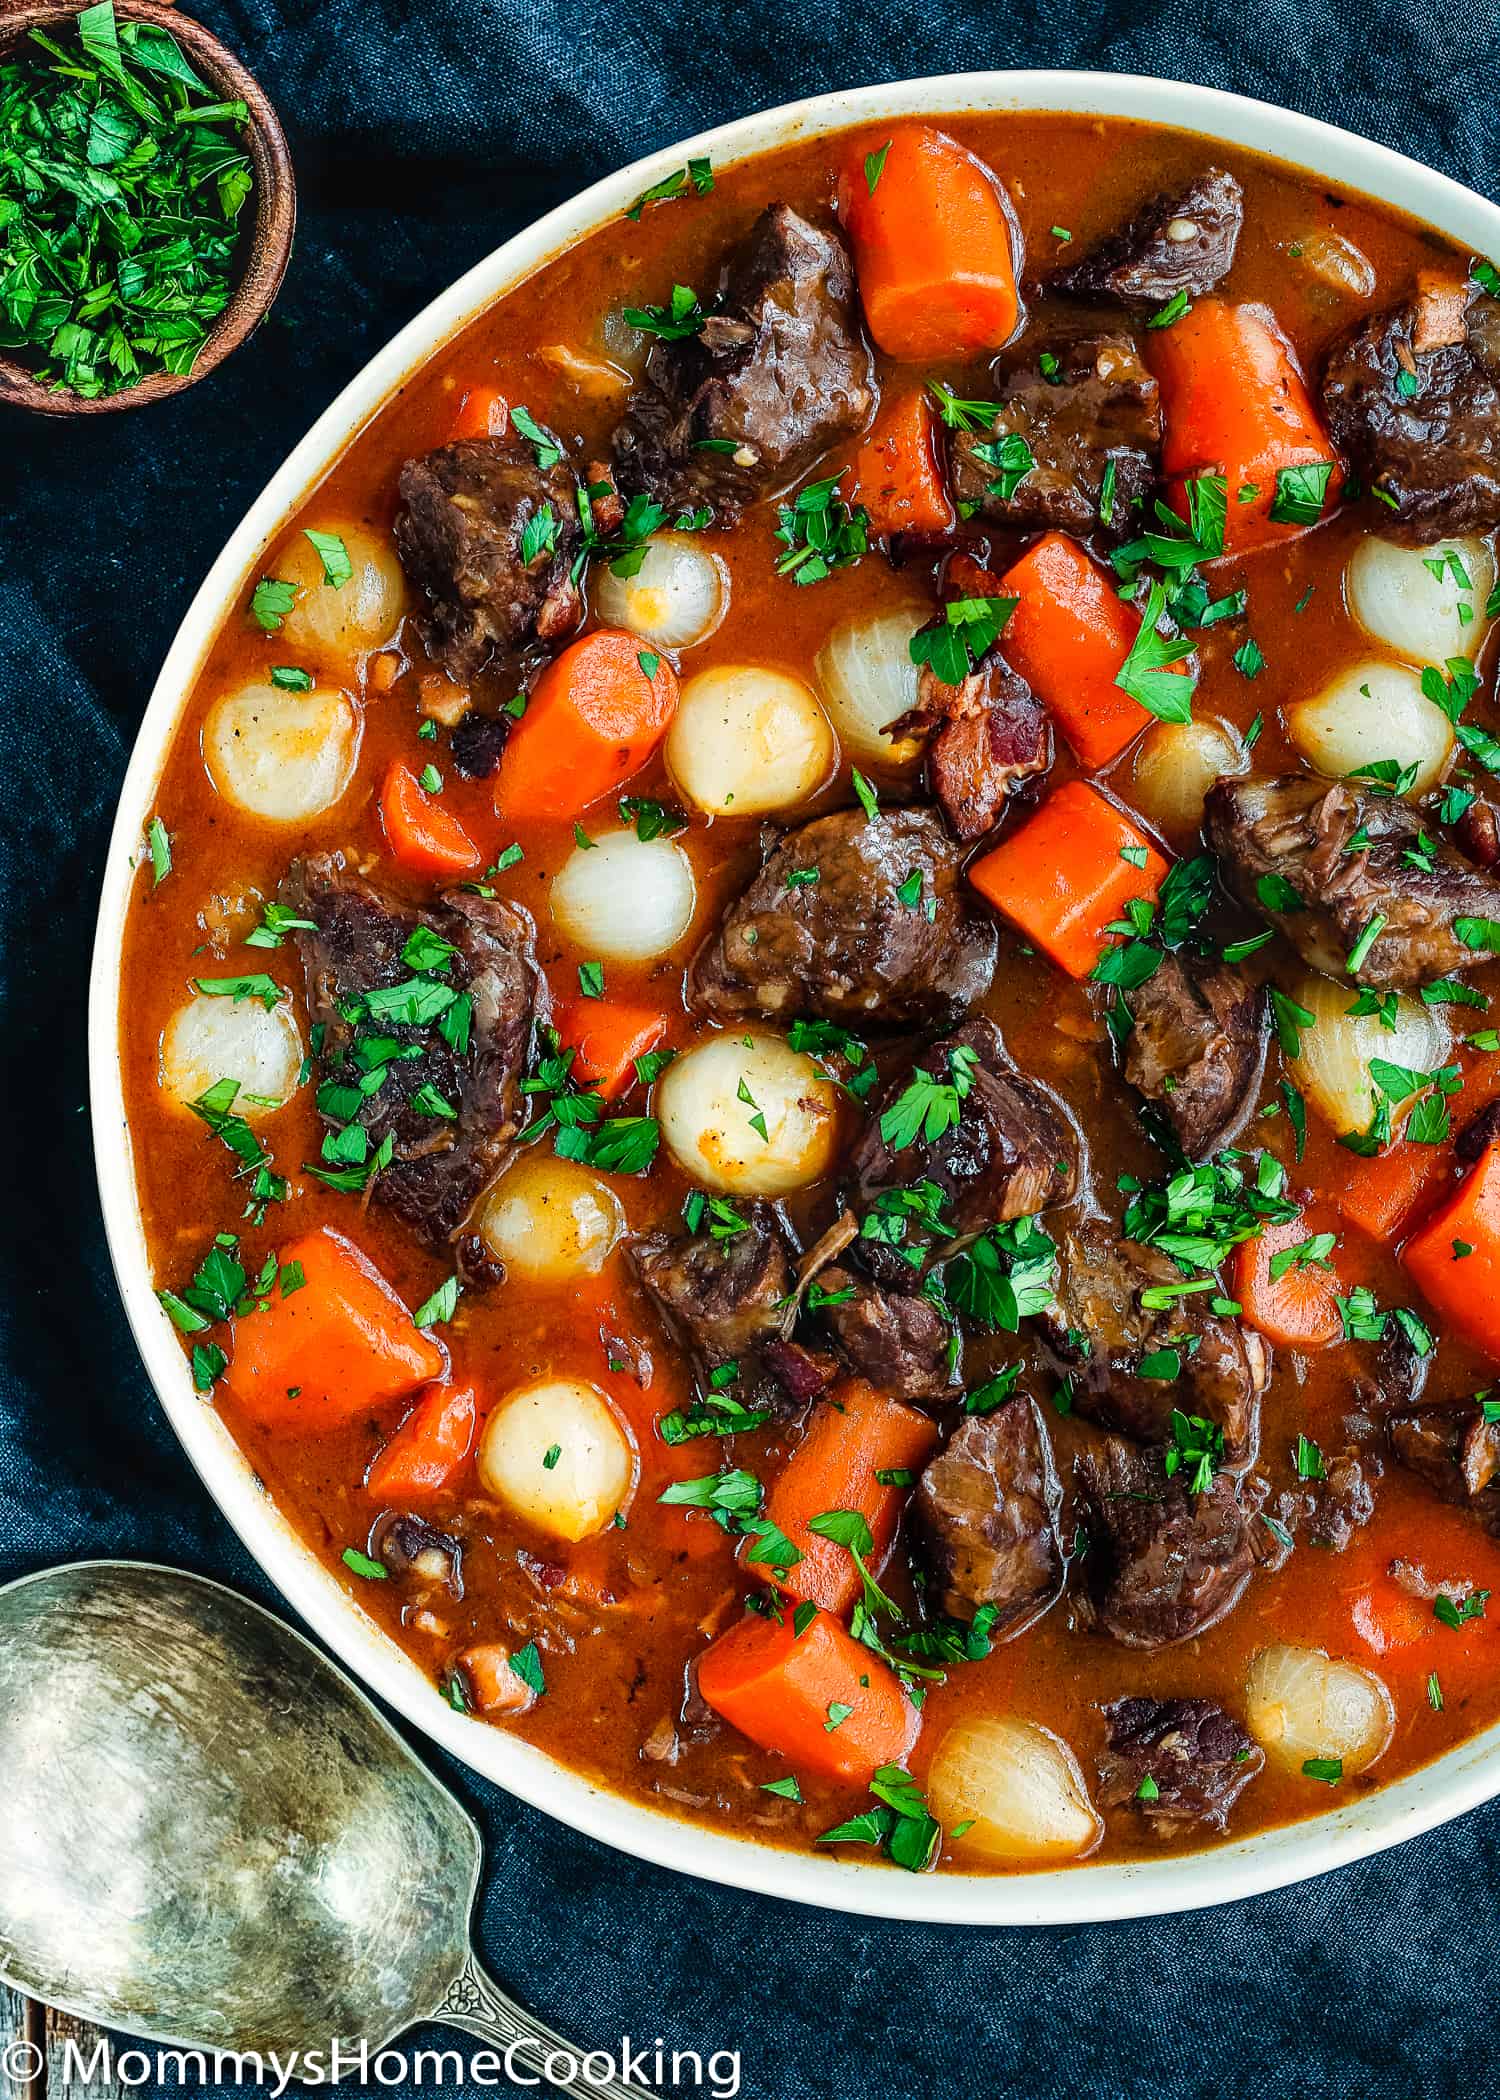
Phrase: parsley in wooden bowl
x=146 y=204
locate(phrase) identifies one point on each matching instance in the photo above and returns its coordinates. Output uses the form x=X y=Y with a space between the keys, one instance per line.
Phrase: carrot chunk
x=851 y=1438
x=1454 y=1256
x=934 y=245
x=430 y=1446
x=608 y=1038
x=595 y=716
x=339 y=1345
x=1381 y=1193
x=897 y=475
x=819 y=1698
x=1235 y=404
x=1376 y=1194
x=1069 y=637
x=483 y=412
x=1062 y=876
x=421 y=834
x=497 y=1686
x=1387 y=1617
x=1298 y=1307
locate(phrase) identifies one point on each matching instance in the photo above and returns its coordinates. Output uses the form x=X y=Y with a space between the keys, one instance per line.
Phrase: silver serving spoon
x=210 y=1838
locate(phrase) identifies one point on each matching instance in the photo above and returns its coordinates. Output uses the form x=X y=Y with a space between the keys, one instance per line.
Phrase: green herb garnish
x=122 y=181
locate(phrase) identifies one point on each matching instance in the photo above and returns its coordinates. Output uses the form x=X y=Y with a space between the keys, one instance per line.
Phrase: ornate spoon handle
x=475 y=2002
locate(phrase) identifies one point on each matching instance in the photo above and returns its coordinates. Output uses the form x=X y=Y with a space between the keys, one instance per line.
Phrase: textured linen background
x=424 y=133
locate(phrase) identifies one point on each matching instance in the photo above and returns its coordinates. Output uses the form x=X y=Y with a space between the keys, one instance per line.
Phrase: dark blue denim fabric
x=424 y=132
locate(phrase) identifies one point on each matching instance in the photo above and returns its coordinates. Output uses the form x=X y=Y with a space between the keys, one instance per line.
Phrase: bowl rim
x=1078 y=1894
x=267 y=243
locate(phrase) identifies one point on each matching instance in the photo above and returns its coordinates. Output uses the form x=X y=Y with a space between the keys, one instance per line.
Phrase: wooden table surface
x=22 y=2020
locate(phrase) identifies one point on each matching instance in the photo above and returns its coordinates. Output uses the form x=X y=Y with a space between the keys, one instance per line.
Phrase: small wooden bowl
x=270 y=241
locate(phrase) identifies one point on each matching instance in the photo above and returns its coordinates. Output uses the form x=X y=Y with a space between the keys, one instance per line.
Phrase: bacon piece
x=989 y=731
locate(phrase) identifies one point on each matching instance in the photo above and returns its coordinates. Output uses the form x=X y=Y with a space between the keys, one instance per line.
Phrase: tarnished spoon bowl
x=209 y=1837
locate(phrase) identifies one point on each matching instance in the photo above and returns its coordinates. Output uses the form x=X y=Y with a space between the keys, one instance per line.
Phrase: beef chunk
x=1478 y=832
x=779 y=370
x=1329 y=1511
x=988 y=733
x=1011 y=1153
x=1162 y=1565
x=991 y=734
x=405 y=1544
x=1477 y=1135
x=801 y=1372
x=478 y=743
x=1457 y=1452
x=847 y=947
x=987 y=1510
x=1181 y=241
x=439 y=1164
x=896 y=1339
x=1091 y=404
x=722 y=1298
x=1299 y=830
x=1391 y=1381
x=1413 y=401
x=1343 y=1500
x=1196 y=1757
x=460 y=529
x=1197 y=1048
x=1100 y=1332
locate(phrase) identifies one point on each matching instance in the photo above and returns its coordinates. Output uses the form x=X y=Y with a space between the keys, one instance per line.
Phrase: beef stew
x=805 y=1016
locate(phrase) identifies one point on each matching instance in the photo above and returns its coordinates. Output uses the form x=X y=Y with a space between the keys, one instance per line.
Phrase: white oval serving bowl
x=1458 y=1781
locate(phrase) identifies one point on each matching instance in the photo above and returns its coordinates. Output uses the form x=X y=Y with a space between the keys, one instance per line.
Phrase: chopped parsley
x=682 y=316
x=527 y=1664
x=215 y=1107
x=437 y=1310
x=1288 y=1019
x=548 y=451
x=260 y=987
x=1313 y=1252
x=1359 y=954
x=123 y=178
x=1004 y=1276
x=1147 y=673
x=786 y=1789
x=333 y=554
x=1301 y=493
x=696 y=180
x=1197 y=1446
x=927 y=1106
x=820 y=532
x=1454 y=1612
x=159 y=846
x=652 y=820
x=963 y=415
x=1308 y=1460
x=1011 y=458
x=900 y=1824
x=271 y=601
x=1198 y=1216
x=719 y=1415
x=1174 y=309
x=954 y=644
